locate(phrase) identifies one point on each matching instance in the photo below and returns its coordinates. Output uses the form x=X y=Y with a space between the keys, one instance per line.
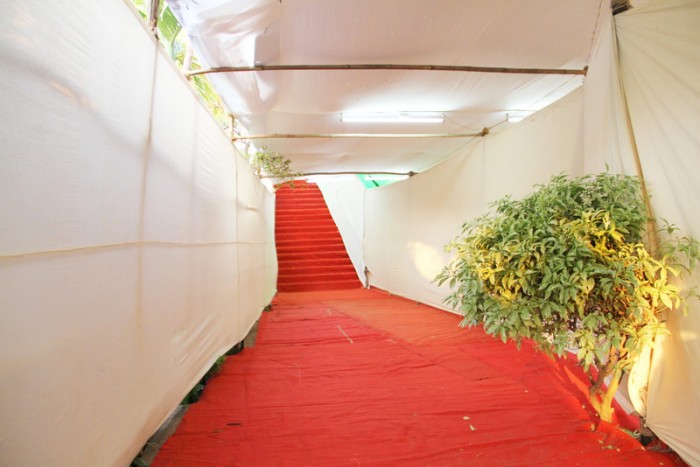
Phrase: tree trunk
x=606 y=410
x=601 y=397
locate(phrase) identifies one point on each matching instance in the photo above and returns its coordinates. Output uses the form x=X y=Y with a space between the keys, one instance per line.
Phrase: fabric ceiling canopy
x=538 y=34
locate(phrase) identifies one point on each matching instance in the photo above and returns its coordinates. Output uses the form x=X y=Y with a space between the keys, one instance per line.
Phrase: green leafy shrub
x=270 y=164
x=195 y=393
x=567 y=268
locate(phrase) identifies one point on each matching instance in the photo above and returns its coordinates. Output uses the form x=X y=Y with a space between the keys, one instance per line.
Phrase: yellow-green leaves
x=267 y=163
x=566 y=267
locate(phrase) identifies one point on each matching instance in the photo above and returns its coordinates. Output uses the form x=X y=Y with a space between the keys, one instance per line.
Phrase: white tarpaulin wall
x=136 y=245
x=408 y=223
x=345 y=200
x=659 y=49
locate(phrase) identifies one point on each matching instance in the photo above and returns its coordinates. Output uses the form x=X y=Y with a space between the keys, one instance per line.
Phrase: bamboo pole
x=231 y=122
x=619 y=6
x=651 y=230
x=483 y=132
x=652 y=237
x=153 y=16
x=308 y=174
x=187 y=62
x=474 y=69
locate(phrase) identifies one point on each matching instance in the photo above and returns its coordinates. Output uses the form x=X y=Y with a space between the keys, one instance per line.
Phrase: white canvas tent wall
x=91 y=240
x=136 y=245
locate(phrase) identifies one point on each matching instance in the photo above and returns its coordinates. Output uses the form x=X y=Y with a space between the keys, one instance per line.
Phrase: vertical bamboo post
x=153 y=16
x=232 y=121
x=187 y=62
x=651 y=230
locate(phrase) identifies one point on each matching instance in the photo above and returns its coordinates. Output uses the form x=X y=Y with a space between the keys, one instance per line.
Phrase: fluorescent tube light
x=518 y=115
x=392 y=117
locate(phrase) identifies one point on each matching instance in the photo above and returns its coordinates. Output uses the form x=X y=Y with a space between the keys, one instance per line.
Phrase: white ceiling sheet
x=493 y=33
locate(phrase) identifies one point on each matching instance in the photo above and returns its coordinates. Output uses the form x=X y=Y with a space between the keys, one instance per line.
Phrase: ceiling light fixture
x=392 y=117
x=518 y=115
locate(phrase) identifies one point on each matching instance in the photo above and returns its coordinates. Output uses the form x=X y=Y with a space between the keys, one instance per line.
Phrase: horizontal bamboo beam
x=308 y=174
x=474 y=69
x=483 y=132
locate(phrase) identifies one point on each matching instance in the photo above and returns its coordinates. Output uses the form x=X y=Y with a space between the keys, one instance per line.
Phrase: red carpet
x=359 y=377
x=310 y=250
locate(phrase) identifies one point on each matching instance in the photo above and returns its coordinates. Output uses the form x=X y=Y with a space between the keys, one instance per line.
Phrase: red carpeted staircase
x=310 y=251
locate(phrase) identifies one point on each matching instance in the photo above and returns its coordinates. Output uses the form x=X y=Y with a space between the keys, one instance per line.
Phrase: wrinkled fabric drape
x=659 y=60
x=407 y=224
x=136 y=246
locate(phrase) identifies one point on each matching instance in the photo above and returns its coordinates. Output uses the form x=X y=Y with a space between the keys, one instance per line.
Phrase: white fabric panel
x=545 y=144
x=407 y=224
x=255 y=209
x=345 y=199
x=659 y=47
x=607 y=138
x=71 y=377
x=169 y=196
x=252 y=286
x=270 y=250
x=251 y=205
x=119 y=251
x=47 y=105
x=72 y=137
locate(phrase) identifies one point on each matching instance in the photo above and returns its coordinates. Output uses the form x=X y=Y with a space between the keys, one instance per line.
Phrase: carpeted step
x=343 y=268
x=305 y=204
x=339 y=271
x=317 y=231
x=309 y=277
x=291 y=226
x=306 y=236
x=298 y=200
x=302 y=202
x=305 y=254
x=311 y=244
x=308 y=287
x=305 y=195
x=306 y=201
x=306 y=241
x=303 y=216
x=300 y=237
x=308 y=216
x=310 y=263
